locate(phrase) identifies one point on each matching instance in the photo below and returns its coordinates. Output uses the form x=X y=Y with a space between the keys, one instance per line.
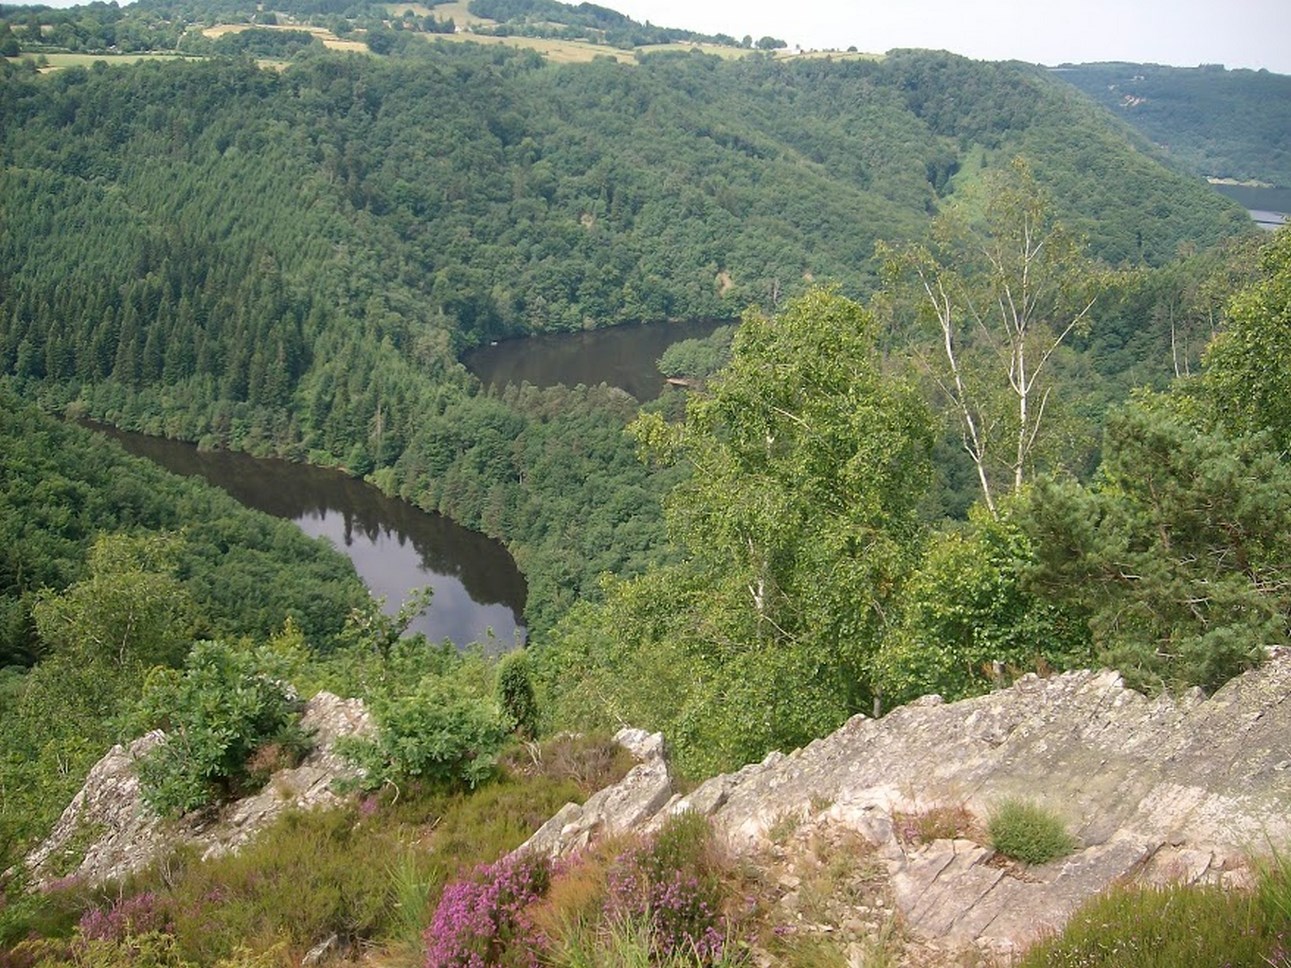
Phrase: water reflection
x=394 y=546
x=622 y=356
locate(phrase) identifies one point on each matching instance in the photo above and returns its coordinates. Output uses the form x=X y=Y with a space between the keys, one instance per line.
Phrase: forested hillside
x=1009 y=393
x=1227 y=124
x=290 y=261
x=108 y=566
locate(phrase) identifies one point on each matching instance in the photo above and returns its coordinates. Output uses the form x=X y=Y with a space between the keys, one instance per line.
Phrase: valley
x=973 y=383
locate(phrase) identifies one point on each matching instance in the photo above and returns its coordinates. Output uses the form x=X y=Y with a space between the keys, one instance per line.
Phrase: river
x=622 y=356
x=394 y=546
x=1269 y=207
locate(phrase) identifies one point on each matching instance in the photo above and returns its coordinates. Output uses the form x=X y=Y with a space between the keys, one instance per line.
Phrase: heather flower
x=68 y=882
x=126 y=917
x=481 y=921
x=663 y=886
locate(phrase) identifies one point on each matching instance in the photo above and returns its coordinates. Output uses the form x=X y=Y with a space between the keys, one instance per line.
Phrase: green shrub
x=217 y=713
x=515 y=693
x=1028 y=832
x=435 y=733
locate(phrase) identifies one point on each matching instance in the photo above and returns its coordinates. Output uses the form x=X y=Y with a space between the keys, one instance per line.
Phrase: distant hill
x=1227 y=124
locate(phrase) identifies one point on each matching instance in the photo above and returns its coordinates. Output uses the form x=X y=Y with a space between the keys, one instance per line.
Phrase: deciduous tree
x=797 y=526
x=1002 y=296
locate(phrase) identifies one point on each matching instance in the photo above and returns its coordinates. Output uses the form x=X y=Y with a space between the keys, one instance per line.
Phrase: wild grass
x=940 y=822
x=556 y=51
x=370 y=872
x=56 y=61
x=634 y=943
x=591 y=763
x=1028 y=832
x=459 y=11
x=1178 y=926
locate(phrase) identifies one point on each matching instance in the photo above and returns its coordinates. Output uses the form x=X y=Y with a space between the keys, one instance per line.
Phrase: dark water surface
x=394 y=546
x=622 y=356
x=1268 y=206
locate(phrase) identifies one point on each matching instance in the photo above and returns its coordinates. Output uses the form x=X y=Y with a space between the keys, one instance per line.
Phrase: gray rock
x=1163 y=789
x=627 y=805
x=126 y=835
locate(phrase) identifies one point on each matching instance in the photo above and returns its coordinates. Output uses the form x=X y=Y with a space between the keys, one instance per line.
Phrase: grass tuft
x=944 y=822
x=1028 y=832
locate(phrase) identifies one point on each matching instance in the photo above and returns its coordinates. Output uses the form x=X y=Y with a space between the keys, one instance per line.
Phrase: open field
x=60 y=61
x=838 y=55
x=729 y=53
x=329 y=39
x=578 y=52
x=417 y=9
x=458 y=11
x=557 y=51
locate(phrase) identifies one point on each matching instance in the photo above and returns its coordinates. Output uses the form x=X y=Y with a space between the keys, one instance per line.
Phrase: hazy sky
x=1236 y=33
x=1239 y=33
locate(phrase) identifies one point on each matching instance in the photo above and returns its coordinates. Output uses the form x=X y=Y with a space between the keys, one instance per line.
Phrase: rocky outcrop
x=1161 y=789
x=626 y=805
x=108 y=831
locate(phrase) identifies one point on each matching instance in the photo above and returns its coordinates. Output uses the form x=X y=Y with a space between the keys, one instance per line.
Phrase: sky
x=1184 y=33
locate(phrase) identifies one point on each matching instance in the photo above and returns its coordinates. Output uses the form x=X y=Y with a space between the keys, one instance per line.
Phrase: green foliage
x=969 y=622
x=698 y=359
x=264 y=42
x=797 y=522
x=130 y=611
x=994 y=301
x=217 y=713
x=1246 y=385
x=152 y=949
x=436 y=732
x=310 y=876
x=48 y=914
x=289 y=262
x=515 y=693
x=1144 y=926
x=1231 y=124
x=1028 y=832
x=586 y=21
x=1175 y=553
x=239 y=572
x=368 y=873
x=329 y=871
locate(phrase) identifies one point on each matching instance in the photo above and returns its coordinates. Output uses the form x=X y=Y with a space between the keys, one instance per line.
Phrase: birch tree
x=1000 y=295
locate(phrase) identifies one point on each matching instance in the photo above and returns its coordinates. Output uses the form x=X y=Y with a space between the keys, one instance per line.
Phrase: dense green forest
x=587 y=21
x=110 y=565
x=290 y=262
x=62 y=486
x=1223 y=123
x=1008 y=394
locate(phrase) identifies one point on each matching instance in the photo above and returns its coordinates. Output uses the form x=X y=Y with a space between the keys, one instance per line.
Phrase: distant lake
x=1268 y=206
x=622 y=356
x=395 y=547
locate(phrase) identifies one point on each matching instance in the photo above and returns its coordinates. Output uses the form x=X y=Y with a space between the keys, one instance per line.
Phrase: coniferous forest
x=1007 y=393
